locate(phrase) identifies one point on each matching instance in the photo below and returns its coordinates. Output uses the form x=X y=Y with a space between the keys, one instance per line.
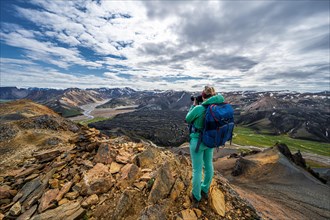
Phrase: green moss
x=315 y=164
x=247 y=136
x=88 y=121
x=70 y=113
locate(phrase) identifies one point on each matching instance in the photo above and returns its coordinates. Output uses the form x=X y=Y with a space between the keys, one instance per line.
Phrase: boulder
x=140 y=185
x=145 y=159
x=103 y=154
x=115 y=167
x=53 y=183
x=162 y=185
x=299 y=160
x=129 y=171
x=241 y=165
x=71 y=195
x=97 y=180
x=15 y=209
x=188 y=214
x=27 y=215
x=91 y=200
x=198 y=212
x=47 y=199
x=284 y=149
x=71 y=210
x=65 y=188
x=124 y=204
x=27 y=189
x=124 y=159
x=87 y=163
x=217 y=201
x=177 y=189
x=153 y=212
x=63 y=201
x=6 y=192
x=146 y=176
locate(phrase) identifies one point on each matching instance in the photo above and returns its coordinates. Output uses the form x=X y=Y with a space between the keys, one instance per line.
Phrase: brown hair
x=208 y=92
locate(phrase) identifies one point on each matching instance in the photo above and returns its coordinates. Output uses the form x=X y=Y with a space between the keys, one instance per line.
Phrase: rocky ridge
x=102 y=178
x=278 y=183
x=26 y=127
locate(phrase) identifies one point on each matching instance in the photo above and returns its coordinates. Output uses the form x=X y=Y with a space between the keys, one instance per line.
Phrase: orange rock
x=91 y=200
x=217 y=201
x=188 y=214
x=97 y=180
x=103 y=154
x=122 y=159
x=129 y=171
x=53 y=183
x=115 y=167
x=66 y=187
x=46 y=200
x=162 y=185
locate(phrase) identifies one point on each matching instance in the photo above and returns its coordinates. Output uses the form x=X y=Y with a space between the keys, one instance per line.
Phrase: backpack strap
x=215 y=119
x=199 y=142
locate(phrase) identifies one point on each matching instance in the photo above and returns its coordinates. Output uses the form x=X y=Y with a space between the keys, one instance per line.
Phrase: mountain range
x=300 y=115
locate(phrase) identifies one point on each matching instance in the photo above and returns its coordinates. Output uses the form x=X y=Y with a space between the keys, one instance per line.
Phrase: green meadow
x=88 y=121
x=248 y=137
x=5 y=100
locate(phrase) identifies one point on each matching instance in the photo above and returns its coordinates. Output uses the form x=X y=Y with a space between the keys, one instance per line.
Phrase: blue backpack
x=218 y=125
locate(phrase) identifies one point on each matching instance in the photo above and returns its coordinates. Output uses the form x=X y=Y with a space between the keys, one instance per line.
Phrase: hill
x=26 y=127
x=278 y=184
x=90 y=176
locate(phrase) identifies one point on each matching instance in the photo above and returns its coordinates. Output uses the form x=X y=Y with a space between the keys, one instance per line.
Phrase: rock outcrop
x=103 y=178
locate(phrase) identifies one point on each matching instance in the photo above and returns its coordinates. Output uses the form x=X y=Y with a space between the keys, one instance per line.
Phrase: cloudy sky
x=180 y=45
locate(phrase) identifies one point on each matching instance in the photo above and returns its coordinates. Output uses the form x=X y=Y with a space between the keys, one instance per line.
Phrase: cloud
x=45 y=51
x=225 y=62
x=318 y=43
x=170 y=44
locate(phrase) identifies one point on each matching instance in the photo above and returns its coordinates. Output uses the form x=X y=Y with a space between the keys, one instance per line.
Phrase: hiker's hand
x=195 y=102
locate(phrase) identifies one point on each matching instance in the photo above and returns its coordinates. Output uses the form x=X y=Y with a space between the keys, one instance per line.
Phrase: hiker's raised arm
x=192 y=114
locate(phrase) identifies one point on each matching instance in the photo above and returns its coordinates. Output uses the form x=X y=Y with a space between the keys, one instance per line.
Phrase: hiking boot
x=205 y=195
x=194 y=201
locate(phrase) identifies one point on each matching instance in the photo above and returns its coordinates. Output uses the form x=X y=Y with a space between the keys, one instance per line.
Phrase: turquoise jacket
x=196 y=113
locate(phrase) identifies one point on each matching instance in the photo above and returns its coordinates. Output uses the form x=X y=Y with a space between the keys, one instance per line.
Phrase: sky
x=167 y=45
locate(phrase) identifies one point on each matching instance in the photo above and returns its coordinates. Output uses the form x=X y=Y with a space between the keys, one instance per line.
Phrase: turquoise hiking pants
x=203 y=158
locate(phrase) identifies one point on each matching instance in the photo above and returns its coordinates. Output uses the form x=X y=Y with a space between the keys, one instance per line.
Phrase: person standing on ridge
x=204 y=156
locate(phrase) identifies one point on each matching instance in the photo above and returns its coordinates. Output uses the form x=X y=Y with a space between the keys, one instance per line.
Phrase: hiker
x=204 y=155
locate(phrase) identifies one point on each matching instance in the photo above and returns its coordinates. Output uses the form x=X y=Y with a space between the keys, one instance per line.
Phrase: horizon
x=167 y=90
x=166 y=45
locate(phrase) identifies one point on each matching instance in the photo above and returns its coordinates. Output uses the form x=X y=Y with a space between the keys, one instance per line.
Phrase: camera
x=199 y=99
